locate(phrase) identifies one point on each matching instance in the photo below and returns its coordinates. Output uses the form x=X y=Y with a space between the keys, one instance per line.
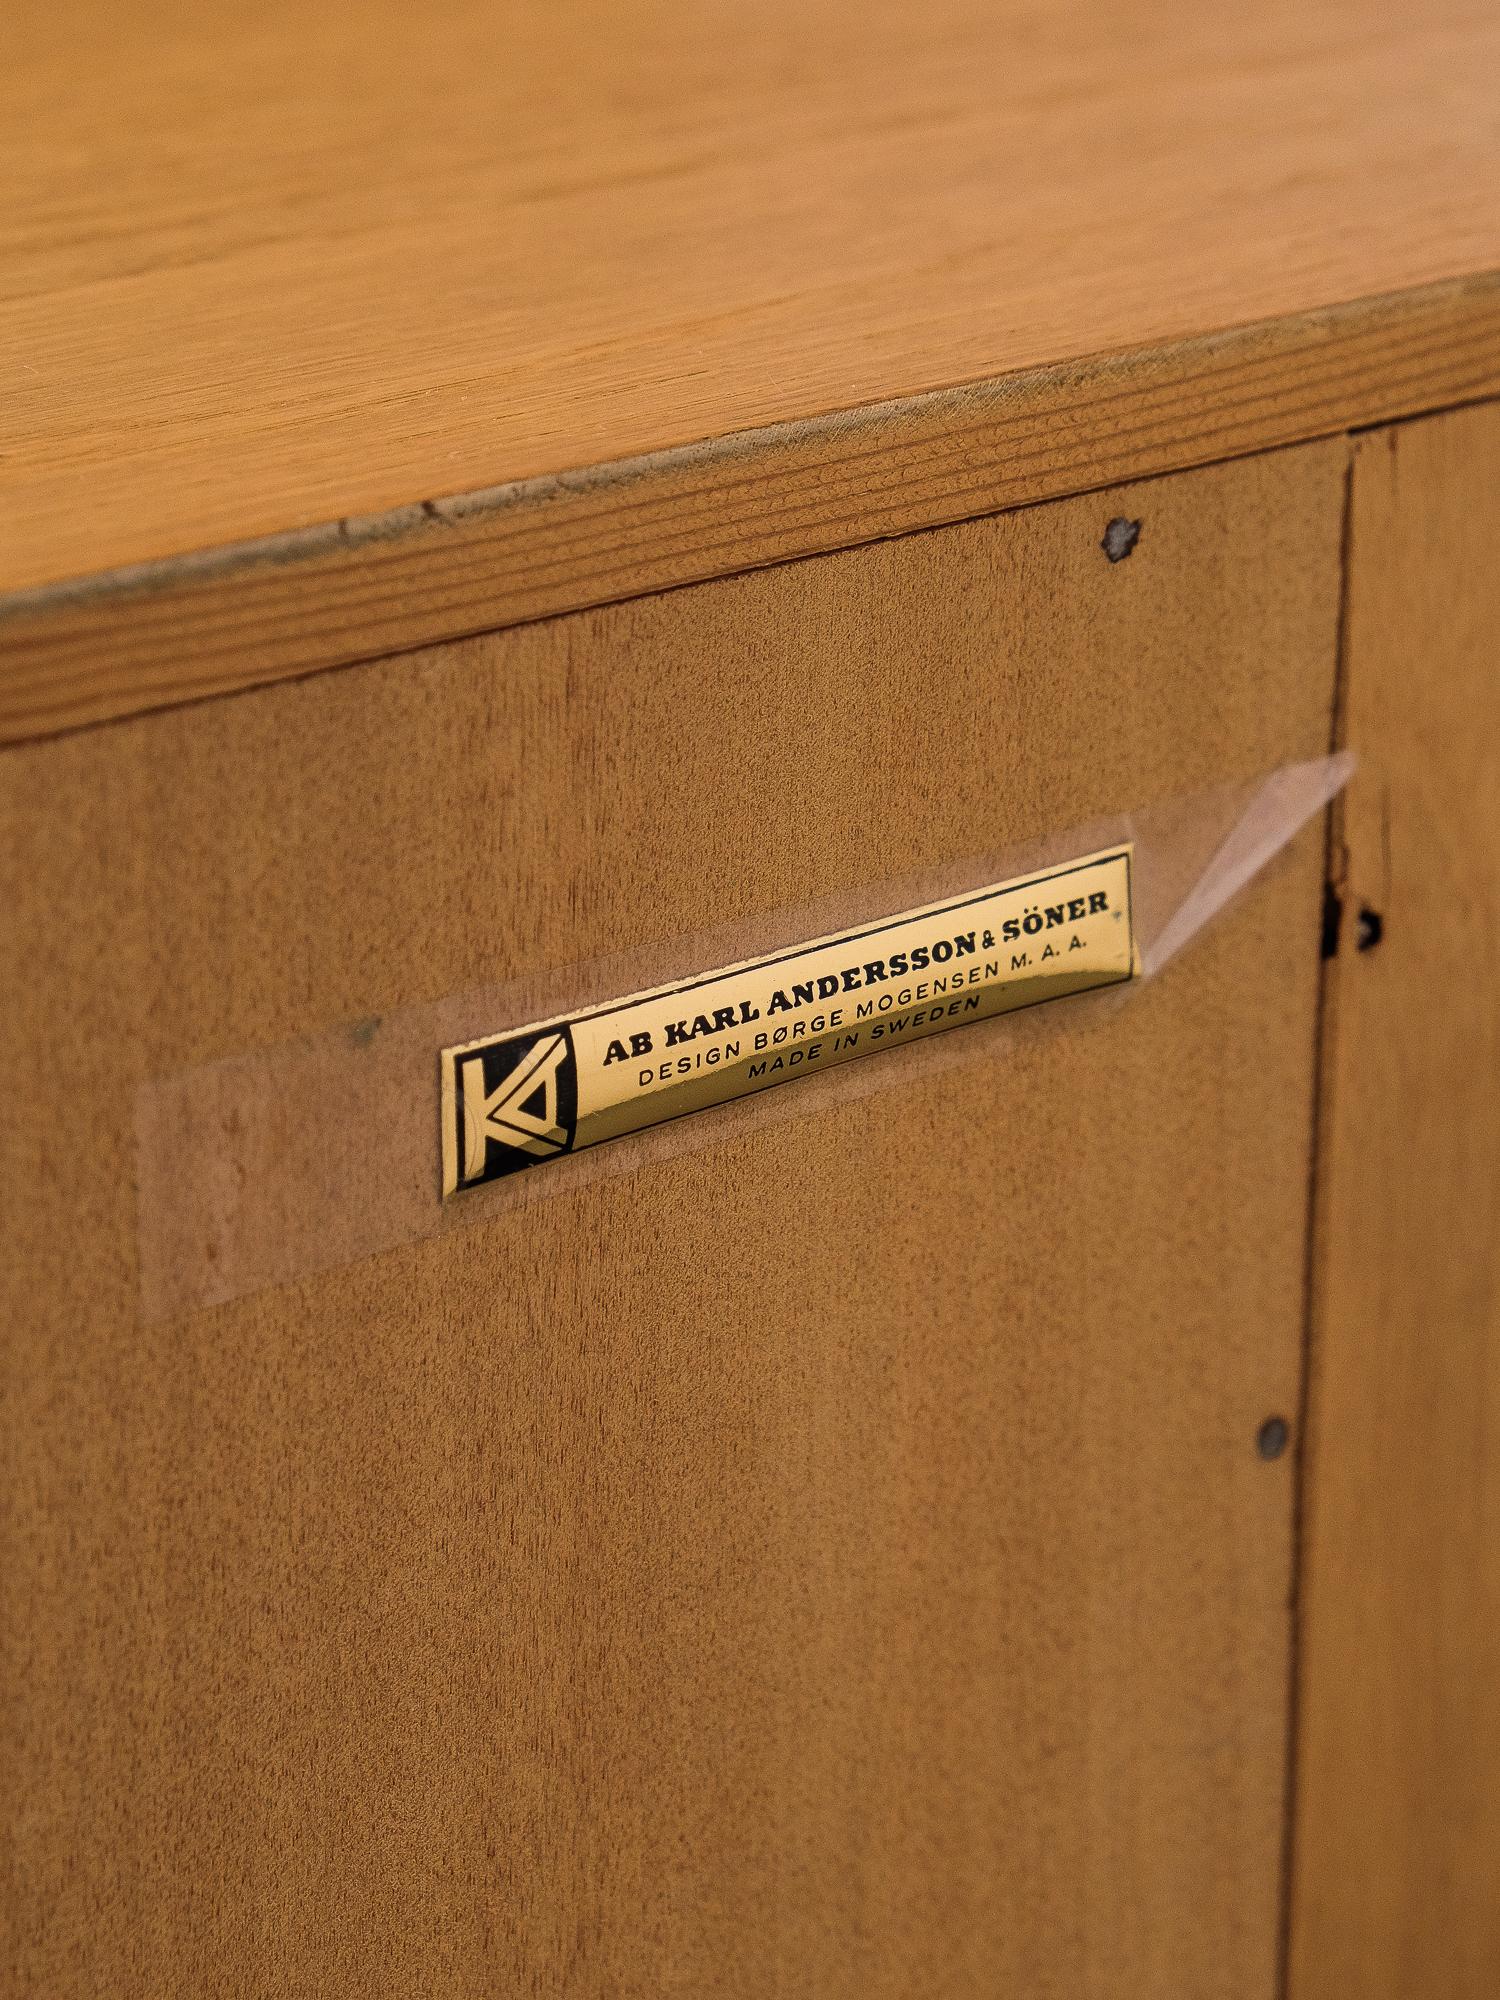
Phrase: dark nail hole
x=1120 y=537
x=1271 y=1438
x=1371 y=928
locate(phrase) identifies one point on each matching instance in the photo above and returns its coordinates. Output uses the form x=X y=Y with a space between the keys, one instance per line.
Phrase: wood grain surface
x=262 y=612
x=1398 y=1802
x=270 y=270
x=834 y=1560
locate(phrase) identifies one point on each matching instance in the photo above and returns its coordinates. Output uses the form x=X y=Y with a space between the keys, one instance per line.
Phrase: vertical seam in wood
x=1323 y=1034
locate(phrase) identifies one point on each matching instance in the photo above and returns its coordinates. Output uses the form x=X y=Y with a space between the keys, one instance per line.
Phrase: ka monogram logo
x=514 y=1104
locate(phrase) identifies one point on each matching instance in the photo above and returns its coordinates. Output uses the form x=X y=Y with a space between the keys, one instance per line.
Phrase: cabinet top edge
x=264 y=267
x=144 y=636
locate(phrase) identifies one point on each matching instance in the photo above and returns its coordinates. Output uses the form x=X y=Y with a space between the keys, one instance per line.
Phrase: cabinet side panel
x=1397 y=1880
x=832 y=1560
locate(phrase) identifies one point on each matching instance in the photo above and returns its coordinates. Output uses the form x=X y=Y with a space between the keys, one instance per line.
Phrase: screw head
x=1272 y=1437
x=1120 y=537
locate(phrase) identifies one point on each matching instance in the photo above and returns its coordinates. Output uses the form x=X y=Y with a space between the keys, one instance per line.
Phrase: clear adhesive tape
x=251 y=1174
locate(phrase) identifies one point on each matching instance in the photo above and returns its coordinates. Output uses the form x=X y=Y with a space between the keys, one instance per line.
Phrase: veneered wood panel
x=835 y=1559
x=269 y=266
x=1398 y=1799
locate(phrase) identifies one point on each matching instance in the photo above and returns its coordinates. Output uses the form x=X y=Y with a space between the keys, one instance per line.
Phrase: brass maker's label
x=530 y=1094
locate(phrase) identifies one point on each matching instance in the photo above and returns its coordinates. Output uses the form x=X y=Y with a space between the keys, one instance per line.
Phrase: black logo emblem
x=514 y=1103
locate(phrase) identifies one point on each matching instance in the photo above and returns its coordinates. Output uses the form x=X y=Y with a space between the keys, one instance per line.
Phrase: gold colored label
x=531 y=1094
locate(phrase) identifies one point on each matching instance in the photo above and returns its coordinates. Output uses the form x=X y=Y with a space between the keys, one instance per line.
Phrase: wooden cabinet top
x=657 y=291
